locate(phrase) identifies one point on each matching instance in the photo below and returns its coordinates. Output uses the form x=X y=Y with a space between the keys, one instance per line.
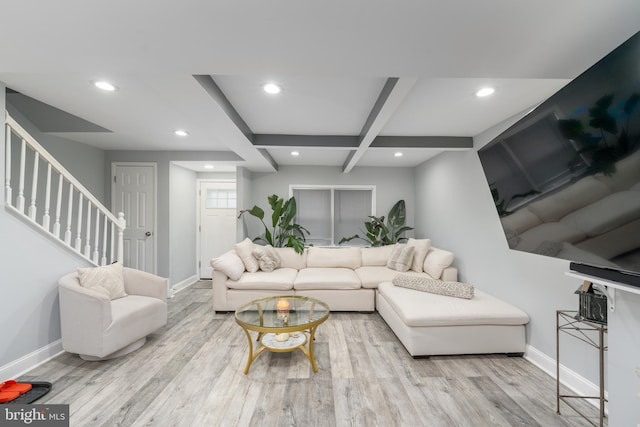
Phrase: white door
x=218 y=203
x=134 y=193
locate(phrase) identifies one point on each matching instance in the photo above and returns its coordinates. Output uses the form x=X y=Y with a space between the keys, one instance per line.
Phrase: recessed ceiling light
x=398 y=154
x=208 y=166
x=295 y=153
x=104 y=85
x=485 y=91
x=181 y=132
x=271 y=88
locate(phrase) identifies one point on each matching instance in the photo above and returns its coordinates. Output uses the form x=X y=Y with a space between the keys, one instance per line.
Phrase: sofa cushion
x=555 y=231
x=426 y=309
x=569 y=199
x=280 y=279
x=376 y=256
x=229 y=263
x=244 y=250
x=327 y=278
x=420 y=253
x=627 y=173
x=267 y=258
x=434 y=286
x=371 y=275
x=289 y=258
x=436 y=261
x=607 y=214
x=401 y=258
x=107 y=280
x=345 y=257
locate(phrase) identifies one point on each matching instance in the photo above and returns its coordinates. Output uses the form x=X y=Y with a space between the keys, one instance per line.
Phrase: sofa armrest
x=137 y=282
x=218 y=284
x=449 y=274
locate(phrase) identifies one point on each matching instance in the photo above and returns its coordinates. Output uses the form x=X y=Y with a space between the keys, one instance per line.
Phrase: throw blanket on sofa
x=451 y=289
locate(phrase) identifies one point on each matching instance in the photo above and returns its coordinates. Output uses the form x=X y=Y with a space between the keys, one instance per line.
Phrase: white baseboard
x=26 y=363
x=189 y=281
x=568 y=378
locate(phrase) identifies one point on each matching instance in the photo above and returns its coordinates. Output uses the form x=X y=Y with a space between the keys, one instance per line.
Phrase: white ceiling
x=332 y=59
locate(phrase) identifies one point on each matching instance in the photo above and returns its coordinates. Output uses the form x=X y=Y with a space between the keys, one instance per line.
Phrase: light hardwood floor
x=190 y=373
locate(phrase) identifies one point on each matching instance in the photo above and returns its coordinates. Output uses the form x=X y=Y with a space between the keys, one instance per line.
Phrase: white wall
x=182 y=240
x=455 y=209
x=392 y=184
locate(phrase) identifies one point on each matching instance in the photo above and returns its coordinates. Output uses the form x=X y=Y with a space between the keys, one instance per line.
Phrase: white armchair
x=98 y=328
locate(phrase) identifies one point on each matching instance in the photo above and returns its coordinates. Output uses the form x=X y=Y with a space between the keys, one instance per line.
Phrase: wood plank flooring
x=190 y=373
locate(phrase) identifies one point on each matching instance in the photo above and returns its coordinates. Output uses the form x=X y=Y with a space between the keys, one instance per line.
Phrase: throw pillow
x=401 y=258
x=424 y=284
x=548 y=248
x=244 y=250
x=436 y=261
x=230 y=264
x=268 y=259
x=107 y=280
x=420 y=253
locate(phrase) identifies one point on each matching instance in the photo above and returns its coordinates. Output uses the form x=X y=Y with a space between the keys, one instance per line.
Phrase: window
x=333 y=212
x=221 y=199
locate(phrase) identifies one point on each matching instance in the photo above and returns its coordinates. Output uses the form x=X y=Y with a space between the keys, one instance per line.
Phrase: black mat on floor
x=38 y=389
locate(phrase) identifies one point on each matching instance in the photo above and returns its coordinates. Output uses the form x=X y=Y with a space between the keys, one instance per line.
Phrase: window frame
x=332 y=188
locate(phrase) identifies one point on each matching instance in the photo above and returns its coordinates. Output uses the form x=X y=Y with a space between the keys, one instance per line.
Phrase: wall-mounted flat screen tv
x=565 y=179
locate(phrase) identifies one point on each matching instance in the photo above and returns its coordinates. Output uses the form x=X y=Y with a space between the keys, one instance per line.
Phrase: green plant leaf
x=631 y=103
x=398 y=214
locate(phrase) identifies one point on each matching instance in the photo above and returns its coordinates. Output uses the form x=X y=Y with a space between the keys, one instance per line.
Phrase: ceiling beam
x=242 y=143
x=322 y=141
x=441 y=142
x=390 y=98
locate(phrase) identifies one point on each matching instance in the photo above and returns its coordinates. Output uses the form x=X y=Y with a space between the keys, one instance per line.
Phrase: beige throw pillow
x=419 y=254
x=244 y=250
x=424 y=284
x=230 y=264
x=401 y=258
x=436 y=261
x=107 y=280
x=268 y=259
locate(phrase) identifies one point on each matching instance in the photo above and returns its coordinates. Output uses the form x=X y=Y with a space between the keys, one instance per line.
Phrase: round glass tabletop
x=274 y=314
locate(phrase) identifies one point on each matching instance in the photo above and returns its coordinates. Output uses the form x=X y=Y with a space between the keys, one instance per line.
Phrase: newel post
x=122 y=224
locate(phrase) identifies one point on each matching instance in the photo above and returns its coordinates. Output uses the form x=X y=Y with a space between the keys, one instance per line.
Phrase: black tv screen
x=565 y=179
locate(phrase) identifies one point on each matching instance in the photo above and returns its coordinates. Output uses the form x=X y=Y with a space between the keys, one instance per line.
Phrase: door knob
x=148 y=233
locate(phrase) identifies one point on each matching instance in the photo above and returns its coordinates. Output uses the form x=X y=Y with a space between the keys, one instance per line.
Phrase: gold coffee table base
x=285 y=347
x=297 y=316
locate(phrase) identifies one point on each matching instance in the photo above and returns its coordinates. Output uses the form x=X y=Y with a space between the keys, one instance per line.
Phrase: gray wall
x=31 y=265
x=183 y=224
x=455 y=209
x=392 y=184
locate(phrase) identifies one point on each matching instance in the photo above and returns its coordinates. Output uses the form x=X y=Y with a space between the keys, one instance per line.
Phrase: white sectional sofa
x=359 y=279
x=345 y=277
x=593 y=220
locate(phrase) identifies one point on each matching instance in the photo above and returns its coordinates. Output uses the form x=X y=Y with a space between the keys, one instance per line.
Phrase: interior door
x=134 y=193
x=218 y=202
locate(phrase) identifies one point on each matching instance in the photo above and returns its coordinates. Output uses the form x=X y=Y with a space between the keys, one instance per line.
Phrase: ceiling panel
x=384 y=157
x=309 y=156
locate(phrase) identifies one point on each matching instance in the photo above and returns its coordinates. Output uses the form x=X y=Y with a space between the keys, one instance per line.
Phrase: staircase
x=52 y=200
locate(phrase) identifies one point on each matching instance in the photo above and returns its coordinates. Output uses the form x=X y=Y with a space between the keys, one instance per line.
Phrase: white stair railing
x=36 y=168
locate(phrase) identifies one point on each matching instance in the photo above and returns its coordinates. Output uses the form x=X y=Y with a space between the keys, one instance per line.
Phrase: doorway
x=217 y=222
x=133 y=191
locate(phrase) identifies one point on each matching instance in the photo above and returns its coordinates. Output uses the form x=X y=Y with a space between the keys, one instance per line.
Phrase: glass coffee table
x=283 y=324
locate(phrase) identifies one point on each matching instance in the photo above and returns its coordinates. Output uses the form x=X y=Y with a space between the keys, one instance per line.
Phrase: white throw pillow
x=401 y=258
x=436 y=261
x=268 y=259
x=107 y=280
x=420 y=253
x=230 y=264
x=244 y=250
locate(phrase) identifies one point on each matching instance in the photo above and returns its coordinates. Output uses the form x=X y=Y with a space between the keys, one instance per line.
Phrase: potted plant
x=283 y=232
x=380 y=232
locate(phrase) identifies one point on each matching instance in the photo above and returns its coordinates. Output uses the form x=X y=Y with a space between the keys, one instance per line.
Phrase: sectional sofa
x=364 y=279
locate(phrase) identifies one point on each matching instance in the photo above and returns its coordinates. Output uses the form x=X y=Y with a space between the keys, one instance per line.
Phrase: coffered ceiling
x=361 y=80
